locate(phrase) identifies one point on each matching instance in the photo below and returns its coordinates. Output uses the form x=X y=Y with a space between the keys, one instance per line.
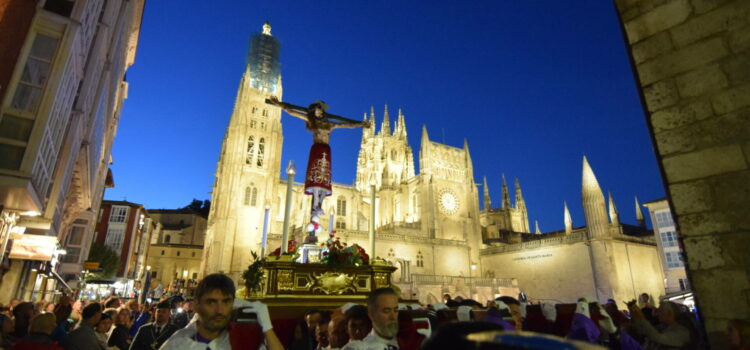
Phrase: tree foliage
x=201 y=207
x=108 y=259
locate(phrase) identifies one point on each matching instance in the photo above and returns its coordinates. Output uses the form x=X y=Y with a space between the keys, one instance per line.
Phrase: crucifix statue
x=320 y=123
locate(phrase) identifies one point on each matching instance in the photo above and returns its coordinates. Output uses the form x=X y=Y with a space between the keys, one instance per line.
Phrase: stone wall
x=693 y=65
x=637 y=270
x=560 y=273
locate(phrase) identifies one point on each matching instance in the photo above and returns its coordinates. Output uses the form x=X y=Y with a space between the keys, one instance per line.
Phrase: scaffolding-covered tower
x=263 y=61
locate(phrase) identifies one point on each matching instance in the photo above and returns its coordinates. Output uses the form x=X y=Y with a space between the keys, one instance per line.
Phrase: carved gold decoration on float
x=284 y=280
x=333 y=283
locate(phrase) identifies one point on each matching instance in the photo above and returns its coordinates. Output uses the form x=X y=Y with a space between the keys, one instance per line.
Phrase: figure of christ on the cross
x=320 y=123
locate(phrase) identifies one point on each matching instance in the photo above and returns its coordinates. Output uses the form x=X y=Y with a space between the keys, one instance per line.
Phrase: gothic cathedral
x=428 y=224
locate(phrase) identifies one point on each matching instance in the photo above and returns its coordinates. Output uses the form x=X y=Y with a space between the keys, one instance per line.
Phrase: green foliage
x=108 y=259
x=253 y=276
x=200 y=207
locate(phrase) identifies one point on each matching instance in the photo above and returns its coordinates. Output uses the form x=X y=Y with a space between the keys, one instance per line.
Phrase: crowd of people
x=214 y=319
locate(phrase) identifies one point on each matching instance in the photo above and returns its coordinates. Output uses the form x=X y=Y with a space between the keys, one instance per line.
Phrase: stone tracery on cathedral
x=428 y=224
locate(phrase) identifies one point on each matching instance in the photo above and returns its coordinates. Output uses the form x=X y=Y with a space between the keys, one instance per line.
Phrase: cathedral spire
x=594 y=207
x=613 y=216
x=639 y=214
x=487 y=200
x=536 y=227
x=267 y=28
x=520 y=203
x=401 y=124
x=506 y=196
x=366 y=132
x=372 y=118
x=385 y=127
x=424 y=149
x=567 y=219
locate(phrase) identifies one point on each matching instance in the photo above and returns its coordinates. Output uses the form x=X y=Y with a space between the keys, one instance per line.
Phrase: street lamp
x=290 y=171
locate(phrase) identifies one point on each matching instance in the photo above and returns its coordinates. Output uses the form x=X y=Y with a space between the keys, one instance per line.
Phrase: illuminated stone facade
x=428 y=224
x=177 y=249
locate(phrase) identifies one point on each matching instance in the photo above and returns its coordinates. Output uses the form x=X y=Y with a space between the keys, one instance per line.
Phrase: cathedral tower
x=249 y=163
x=600 y=242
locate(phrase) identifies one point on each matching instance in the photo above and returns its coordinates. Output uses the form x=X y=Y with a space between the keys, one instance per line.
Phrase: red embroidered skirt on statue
x=318 y=174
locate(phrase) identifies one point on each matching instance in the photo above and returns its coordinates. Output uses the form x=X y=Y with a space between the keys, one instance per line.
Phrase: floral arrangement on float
x=337 y=253
x=292 y=249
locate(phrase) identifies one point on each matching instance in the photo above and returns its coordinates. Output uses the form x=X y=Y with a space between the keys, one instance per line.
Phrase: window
x=261 y=151
x=118 y=214
x=76 y=235
x=73 y=246
x=153 y=274
x=263 y=125
x=252 y=124
x=674 y=260
x=341 y=206
x=248 y=194
x=669 y=239
x=341 y=225
x=251 y=196
x=250 y=150
x=265 y=112
x=167 y=238
x=162 y=252
x=420 y=259
x=35 y=74
x=71 y=255
x=664 y=218
x=17 y=124
x=255 y=109
x=391 y=253
x=178 y=253
x=114 y=238
x=195 y=275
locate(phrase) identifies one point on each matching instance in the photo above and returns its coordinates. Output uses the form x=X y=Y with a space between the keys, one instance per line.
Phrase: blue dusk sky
x=532 y=86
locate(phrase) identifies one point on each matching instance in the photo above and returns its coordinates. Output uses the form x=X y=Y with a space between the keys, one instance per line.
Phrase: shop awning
x=61 y=280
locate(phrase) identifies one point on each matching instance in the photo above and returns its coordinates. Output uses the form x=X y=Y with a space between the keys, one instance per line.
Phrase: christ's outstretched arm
x=294 y=111
x=351 y=125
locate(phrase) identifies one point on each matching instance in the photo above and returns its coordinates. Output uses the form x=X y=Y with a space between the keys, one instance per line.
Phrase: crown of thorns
x=321 y=104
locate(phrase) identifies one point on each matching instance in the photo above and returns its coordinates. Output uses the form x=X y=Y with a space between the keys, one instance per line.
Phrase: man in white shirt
x=382 y=308
x=214 y=301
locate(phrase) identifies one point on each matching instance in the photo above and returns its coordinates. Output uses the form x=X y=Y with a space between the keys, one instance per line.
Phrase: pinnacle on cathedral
x=613 y=216
x=401 y=129
x=594 y=207
x=568 y=220
x=385 y=127
x=520 y=203
x=487 y=200
x=506 y=195
x=639 y=214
